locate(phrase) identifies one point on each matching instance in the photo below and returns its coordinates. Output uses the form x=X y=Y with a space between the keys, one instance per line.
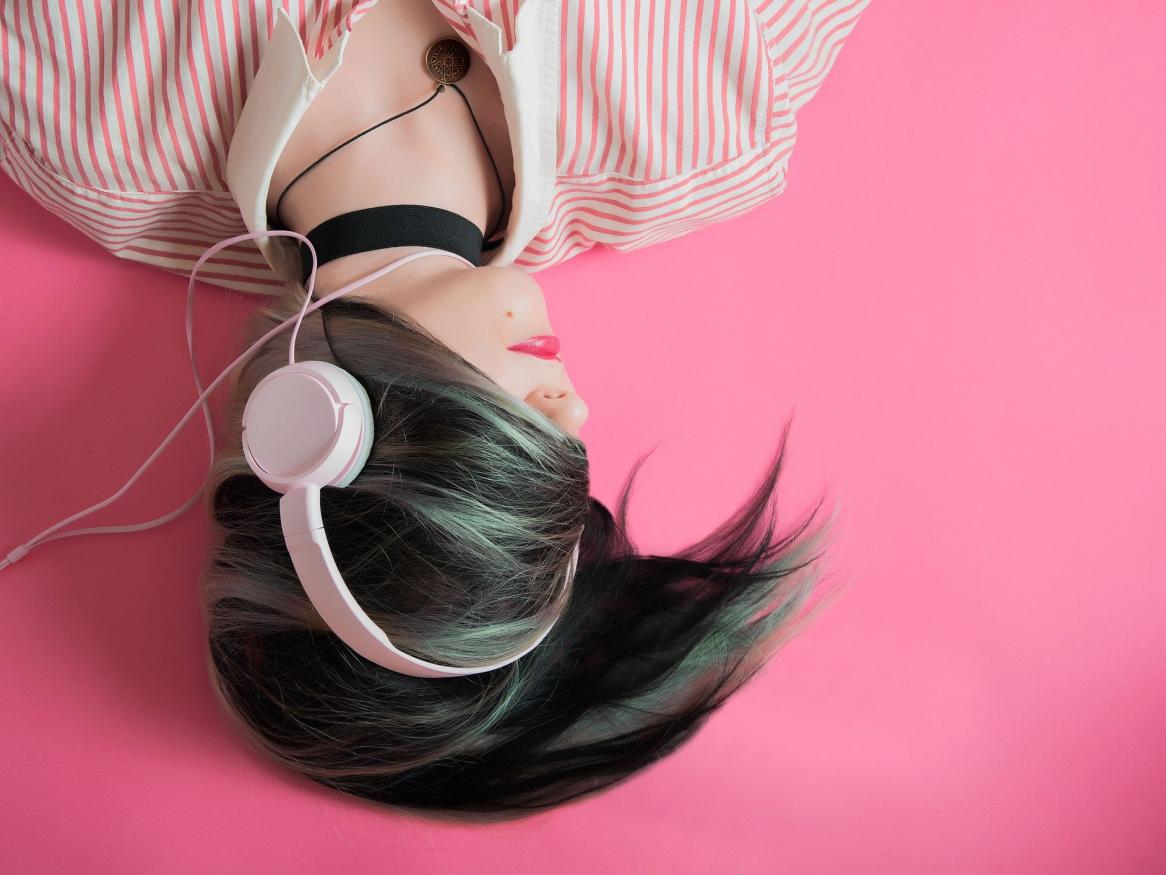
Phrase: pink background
x=962 y=295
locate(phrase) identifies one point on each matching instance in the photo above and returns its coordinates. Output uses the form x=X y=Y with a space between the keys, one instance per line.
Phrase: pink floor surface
x=961 y=299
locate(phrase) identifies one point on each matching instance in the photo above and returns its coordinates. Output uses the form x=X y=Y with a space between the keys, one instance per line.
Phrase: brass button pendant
x=447 y=60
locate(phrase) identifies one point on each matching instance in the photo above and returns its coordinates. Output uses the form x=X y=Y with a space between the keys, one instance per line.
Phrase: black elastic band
x=392 y=225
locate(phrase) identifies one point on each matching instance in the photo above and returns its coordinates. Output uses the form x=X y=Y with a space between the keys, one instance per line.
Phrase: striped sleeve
x=169 y=230
x=117 y=116
x=678 y=116
x=805 y=37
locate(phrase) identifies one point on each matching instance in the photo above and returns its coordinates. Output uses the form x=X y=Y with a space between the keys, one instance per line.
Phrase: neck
x=394 y=289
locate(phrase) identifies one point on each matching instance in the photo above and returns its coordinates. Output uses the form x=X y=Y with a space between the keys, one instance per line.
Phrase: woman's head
x=455 y=539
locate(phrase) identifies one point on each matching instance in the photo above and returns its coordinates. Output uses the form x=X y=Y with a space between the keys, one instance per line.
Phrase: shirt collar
x=287 y=82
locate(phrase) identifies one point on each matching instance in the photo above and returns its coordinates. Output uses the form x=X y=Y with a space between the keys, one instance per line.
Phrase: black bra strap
x=392 y=225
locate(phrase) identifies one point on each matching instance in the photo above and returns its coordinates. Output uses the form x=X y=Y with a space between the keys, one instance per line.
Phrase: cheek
x=473 y=321
x=484 y=348
x=506 y=369
x=453 y=320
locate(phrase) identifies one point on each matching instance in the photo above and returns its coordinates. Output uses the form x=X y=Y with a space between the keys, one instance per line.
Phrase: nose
x=563 y=406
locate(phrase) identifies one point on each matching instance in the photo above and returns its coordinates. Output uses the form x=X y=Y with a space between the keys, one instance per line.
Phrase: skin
x=435 y=157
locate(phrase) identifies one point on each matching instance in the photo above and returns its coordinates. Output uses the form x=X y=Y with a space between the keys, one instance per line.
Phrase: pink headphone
x=305 y=426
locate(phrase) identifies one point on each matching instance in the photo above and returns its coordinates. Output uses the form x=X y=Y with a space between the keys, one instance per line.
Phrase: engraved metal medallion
x=447 y=60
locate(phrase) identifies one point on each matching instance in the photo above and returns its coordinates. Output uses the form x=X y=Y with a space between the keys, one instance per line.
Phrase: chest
x=431 y=155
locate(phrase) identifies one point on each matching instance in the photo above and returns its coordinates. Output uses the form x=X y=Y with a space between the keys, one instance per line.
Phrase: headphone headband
x=303 y=530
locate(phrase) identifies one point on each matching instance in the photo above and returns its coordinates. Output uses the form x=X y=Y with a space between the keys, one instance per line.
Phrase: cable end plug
x=15 y=556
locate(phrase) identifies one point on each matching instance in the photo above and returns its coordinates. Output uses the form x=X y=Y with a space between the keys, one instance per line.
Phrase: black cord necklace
x=447 y=61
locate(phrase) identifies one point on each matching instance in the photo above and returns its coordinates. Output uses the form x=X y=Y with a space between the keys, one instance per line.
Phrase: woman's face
x=480 y=312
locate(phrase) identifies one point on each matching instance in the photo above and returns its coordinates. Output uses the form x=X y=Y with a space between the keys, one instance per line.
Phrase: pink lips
x=545 y=346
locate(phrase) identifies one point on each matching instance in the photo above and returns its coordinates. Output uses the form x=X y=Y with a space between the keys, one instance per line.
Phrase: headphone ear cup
x=365 y=447
x=307 y=424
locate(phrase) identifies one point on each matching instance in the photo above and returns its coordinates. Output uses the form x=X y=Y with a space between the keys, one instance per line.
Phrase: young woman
x=512 y=134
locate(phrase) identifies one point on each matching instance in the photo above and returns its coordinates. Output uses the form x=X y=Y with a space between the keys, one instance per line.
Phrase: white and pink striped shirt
x=665 y=115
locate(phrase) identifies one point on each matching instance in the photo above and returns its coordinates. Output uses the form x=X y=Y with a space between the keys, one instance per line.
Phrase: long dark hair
x=455 y=538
